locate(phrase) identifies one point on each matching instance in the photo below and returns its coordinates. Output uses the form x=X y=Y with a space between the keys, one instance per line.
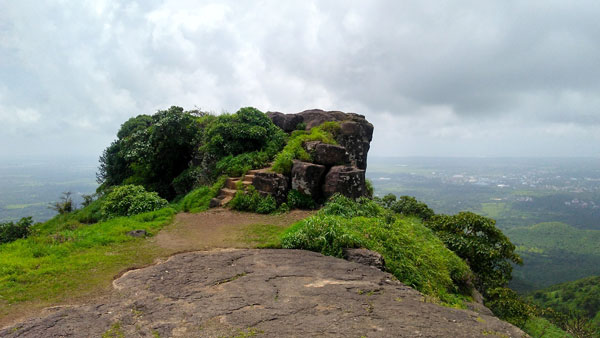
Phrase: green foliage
x=199 y=199
x=507 y=305
x=90 y=213
x=411 y=251
x=130 y=200
x=484 y=247
x=151 y=151
x=581 y=297
x=61 y=254
x=294 y=150
x=247 y=130
x=187 y=180
x=238 y=165
x=10 y=231
x=369 y=187
x=250 y=200
x=407 y=205
x=65 y=205
x=298 y=200
x=542 y=328
x=340 y=205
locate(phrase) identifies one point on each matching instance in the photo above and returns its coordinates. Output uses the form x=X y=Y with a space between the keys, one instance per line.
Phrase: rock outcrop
x=269 y=183
x=267 y=293
x=335 y=168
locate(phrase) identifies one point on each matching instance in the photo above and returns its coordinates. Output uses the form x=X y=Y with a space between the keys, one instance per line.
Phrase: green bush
x=10 y=231
x=476 y=239
x=294 y=150
x=235 y=166
x=130 y=200
x=91 y=213
x=507 y=305
x=298 y=200
x=187 y=180
x=199 y=199
x=411 y=251
x=250 y=200
x=340 y=205
x=406 y=205
x=245 y=131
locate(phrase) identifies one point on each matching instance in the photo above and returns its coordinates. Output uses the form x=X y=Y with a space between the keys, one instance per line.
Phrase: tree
x=65 y=205
x=484 y=247
x=406 y=205
x=10 y=231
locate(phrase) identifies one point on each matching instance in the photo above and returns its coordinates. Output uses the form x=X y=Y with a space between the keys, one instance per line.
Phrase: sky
x=436 y=78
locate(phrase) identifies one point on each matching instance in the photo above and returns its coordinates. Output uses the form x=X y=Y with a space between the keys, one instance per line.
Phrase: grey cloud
x=502 y=67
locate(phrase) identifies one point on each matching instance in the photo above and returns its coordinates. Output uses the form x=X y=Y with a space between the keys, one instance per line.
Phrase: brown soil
x=217 y=228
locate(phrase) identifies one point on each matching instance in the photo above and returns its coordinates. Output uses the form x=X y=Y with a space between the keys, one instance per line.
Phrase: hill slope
x=273 y=293
x=551 y=249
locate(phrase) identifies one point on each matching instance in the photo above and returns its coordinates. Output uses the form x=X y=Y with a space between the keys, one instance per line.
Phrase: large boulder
x=365 y=257
x=327 y=154
x=307 y=178
x=287 y=122
x=346 y=180
x=356 y=135
x=315 y=117
x=274 y=184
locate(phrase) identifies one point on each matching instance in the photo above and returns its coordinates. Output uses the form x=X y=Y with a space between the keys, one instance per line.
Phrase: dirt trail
x=217 y=228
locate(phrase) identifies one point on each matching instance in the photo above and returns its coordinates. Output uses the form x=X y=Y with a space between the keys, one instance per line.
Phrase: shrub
x=476 y=239
x=238 y=165
x=130 y=200
x=507 y=305
x=245 y=131
x=91 y=213
x=411 y=252
x=298 y=200
x=10 y=231
x=187 y=180
x=294 y=150
x=199 y=199
x=251 y=200
x=407 y=205
x=65 y=205
x=340 y=205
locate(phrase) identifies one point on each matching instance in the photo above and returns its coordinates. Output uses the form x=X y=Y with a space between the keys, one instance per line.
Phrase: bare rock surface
x=263 y=293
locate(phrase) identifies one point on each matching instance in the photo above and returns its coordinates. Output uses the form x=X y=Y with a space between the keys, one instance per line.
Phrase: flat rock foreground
x=262 y=293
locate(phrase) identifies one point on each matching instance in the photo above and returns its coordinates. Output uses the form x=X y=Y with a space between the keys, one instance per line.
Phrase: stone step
x=248 y=178
x=226 y=200
x=227 y=192
x=231 y=183
x=253 y=171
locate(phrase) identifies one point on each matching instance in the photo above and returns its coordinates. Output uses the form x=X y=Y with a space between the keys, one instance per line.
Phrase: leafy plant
x=130 y=200
x=294 y=148
x=199 y=199
x=411 y=251
x=251 y=200
x=65 y=205
x=10 y=231
x=484 y=247
x=406 y=205
x=298 y=200
x=506 y=304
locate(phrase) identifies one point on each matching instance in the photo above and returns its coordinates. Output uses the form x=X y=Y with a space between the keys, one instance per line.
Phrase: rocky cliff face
x=334 y=168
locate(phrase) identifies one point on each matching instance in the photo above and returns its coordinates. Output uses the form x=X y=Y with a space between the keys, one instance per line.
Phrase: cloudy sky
x=436 y=78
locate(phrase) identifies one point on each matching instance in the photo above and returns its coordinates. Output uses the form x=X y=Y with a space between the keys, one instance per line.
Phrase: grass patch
x=262 y=236
x=198 y=199
x=63 y=260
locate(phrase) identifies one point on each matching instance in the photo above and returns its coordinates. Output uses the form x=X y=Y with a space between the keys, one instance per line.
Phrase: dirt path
x=218 y=228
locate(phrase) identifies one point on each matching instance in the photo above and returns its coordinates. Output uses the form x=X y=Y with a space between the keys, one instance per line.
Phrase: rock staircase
x=227 y=193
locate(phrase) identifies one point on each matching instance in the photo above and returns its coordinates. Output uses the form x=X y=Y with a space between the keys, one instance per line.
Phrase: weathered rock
x=365 y=257
x=287 y=122
x=214 y=202
x=267 y=293
x=138 y=233
x=315 y=117
x=346 y=180
x=327 y=154
x=355 y=135
x=269 y=183
x=307 y=178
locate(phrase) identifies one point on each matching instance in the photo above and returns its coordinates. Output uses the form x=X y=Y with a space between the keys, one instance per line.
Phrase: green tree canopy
x=484 y=247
